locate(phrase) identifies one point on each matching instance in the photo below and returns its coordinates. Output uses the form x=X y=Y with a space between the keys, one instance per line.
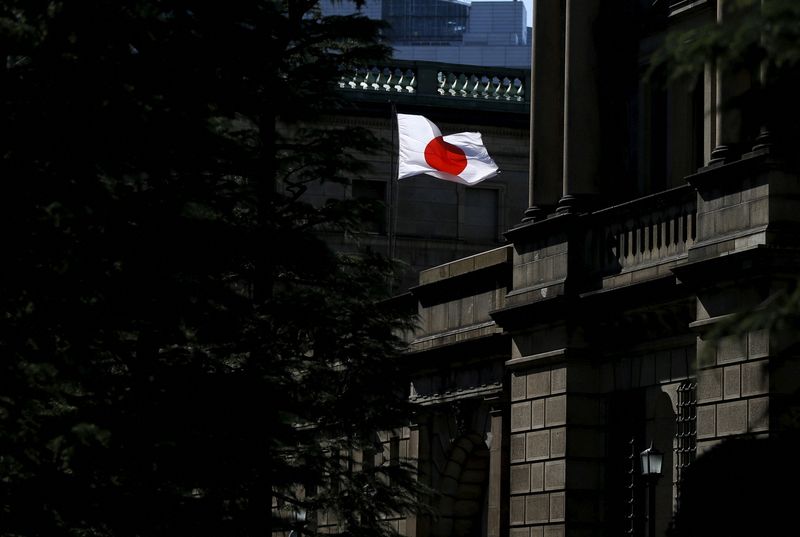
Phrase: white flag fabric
x=460 y=158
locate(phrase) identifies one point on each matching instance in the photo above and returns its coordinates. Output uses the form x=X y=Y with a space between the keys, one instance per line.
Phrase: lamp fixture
x=652 y=460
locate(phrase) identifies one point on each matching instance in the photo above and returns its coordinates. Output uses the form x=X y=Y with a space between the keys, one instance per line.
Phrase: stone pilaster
x=581 y=153
x=547 y=109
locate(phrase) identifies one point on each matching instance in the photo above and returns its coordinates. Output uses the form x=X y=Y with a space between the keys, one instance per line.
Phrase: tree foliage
x=179 y=350
x=757 y=39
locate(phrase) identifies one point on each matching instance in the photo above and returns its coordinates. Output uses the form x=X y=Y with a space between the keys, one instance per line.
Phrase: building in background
x=545 y=365
x=492 y=34
x=427 y=221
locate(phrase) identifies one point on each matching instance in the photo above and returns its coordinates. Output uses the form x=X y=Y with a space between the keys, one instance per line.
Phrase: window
x=685 y=432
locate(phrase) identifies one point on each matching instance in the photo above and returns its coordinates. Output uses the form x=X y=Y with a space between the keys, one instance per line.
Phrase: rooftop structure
x=452 y=31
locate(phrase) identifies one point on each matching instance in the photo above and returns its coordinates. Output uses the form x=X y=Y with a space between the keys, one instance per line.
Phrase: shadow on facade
x=742 y=487
x=461 y=507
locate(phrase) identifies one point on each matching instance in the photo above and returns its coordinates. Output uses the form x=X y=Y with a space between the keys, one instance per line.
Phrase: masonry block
x=732 y=382
x=706 y=421
x=437 y=318
x=733 y=218
x=521 y=416
x=537 y=508
x=517 y=447
x=732 y=418
x=537 y=445
x=709 y=385
x=759 y=212
x=754 y=191
x=758 y=414
x=704 y=446
x=516 y=510
x=731 y=349
x=706 y=353
x=537 y=477
x=537 y=414
x=758 y=343
x=557 y=507
x=518 y=382
x=519 y=532
x=555 y=530
x=558 y=380
x=520 y=478
x=755 y=378
x=554 y=475
x=556 y=410
x=558 y=442
x=539 y=384
x=560 y=265
x=705 y=225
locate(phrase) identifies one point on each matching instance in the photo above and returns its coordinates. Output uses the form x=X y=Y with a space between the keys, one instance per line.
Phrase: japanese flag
x=461 y=157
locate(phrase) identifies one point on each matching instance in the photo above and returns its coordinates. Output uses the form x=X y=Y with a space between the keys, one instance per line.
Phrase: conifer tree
x=180 y=352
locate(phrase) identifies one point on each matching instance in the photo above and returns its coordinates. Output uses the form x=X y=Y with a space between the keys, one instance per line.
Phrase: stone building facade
x=544 y=366
x=428 y=221
x=639 y=219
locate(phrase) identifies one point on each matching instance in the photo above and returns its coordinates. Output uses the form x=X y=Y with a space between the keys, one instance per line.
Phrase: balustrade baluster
x=630 y=247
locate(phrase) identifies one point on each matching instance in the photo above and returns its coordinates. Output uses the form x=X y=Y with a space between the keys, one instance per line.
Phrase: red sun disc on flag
x=445 y=156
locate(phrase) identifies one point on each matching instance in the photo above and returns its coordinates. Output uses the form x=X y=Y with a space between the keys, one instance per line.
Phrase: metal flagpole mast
x=393 y=193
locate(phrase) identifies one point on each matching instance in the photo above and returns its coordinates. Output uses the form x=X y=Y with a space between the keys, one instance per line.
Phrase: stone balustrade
x=439 y=80
x=642 y=238
x=376 y=79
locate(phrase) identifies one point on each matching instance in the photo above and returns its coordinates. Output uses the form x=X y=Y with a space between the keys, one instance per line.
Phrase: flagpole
x=393 y=194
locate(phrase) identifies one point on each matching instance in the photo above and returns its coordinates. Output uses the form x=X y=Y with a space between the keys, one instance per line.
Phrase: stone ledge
x=455 y=336
x=470 y=393
x=466 y=265
x=548 y=357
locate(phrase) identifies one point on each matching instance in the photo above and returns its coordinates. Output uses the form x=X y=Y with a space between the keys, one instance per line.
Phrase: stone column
x=728 y=85
x=709 y=114
x=547 y=108
x=581 y=153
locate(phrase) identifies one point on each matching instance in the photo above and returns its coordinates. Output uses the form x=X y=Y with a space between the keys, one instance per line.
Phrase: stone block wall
x=733 y=387
x=537 y=451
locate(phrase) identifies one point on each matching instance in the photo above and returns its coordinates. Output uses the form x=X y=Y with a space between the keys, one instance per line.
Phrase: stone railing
x=642 y=234
x=459 y=84
x=443 y=80
x=376 y=79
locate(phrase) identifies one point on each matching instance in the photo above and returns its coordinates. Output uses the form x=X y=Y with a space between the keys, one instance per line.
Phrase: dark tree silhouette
x=179 y=350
